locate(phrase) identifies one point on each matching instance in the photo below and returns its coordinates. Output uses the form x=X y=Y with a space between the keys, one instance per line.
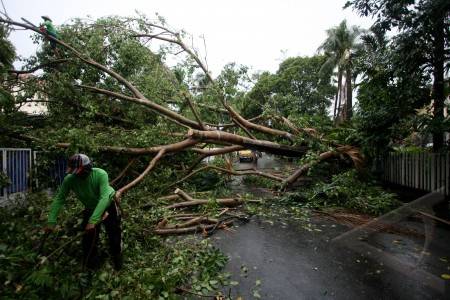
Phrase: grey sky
x=255 y=33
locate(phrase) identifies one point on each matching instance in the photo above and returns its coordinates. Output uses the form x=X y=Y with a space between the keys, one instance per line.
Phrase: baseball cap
x=77 y=163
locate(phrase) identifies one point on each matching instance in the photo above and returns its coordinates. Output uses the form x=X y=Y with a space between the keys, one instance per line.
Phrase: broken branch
x=138 y=179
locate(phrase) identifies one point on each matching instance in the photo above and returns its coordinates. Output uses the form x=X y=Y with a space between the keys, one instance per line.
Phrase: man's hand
x=105 y=215
x=118 y=196
x=89 y=226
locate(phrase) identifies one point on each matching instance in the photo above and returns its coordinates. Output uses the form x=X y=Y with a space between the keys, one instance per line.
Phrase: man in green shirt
x=48 y=28
x=91 y=187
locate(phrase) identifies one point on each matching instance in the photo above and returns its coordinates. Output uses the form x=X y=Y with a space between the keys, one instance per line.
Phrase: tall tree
x=298 y=88
x=339 y=47
x=388 y=95
x=7 y=56
x=423 y=41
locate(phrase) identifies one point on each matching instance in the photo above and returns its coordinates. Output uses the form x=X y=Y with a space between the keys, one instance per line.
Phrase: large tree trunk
x=438 y=83
x=339 y=96
x=348 y=86
x=335 y=106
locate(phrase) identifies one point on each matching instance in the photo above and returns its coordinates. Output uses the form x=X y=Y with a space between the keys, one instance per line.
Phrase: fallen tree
x=123 y=89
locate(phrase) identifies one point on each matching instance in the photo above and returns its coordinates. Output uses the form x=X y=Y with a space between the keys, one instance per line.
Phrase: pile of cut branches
x=181 y=223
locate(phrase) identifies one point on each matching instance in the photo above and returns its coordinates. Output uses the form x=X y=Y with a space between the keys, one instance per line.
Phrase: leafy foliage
x=348 y=190
x=4 y=180
x=417 y=54
x=298 y=88
x=7 y=56
x=153 y=268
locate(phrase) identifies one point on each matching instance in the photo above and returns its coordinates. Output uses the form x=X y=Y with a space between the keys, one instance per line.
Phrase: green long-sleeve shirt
x=50 y=28
x=93 y=191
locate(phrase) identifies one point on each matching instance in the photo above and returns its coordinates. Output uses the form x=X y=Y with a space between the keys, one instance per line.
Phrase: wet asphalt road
x=280 y=258
x=294 y=263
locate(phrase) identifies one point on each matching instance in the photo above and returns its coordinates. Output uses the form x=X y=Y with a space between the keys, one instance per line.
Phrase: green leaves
x=153 y=267
x=351 y=191
x=298 y=88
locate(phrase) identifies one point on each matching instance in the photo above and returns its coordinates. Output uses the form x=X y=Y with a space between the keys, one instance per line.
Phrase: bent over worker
x=91 y=187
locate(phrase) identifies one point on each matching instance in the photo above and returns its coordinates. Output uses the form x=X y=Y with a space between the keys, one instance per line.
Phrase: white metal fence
x=424 y=171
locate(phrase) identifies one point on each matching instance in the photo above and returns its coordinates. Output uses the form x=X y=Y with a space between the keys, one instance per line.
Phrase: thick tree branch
x=199 y=228
x=194 y=202
x=192 y=221
x=350 y=151
x=257 y=127
x=217 y=151
x=291 y=179
x=261 y=145
x=138 y=179
x=155 y=107
x=228 y=125
x=175 y=147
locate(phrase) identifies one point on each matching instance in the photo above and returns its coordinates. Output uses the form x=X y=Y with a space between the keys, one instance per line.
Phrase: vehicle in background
x=249 y=155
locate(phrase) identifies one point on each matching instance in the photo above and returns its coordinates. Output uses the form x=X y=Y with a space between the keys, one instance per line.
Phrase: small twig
x=122 y=173
x=432 y=217
x=223 y=222
x=224 y=211
x=194 y=111
x=61 y=247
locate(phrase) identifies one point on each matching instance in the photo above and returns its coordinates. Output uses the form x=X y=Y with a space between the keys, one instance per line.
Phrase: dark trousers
x=90 y=238
x=52 y=42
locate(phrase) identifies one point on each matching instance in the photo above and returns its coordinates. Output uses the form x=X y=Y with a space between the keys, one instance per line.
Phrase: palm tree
x=339 y=48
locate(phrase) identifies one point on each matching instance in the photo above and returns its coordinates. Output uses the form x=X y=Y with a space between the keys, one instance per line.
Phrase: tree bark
x=257 y=127
x=194 y=229
x=229 y=202
x=348 y=86
x=291 y=179
x=261 y=145
x=339 y=95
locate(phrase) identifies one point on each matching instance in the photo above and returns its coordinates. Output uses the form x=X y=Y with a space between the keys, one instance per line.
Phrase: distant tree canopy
x=419 y=53
x=297 y=88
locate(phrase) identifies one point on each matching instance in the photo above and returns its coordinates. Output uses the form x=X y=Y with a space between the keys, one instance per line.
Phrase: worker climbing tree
x=49 y=29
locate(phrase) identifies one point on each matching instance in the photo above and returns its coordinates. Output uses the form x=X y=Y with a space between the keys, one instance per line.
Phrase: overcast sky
x=256 y=33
